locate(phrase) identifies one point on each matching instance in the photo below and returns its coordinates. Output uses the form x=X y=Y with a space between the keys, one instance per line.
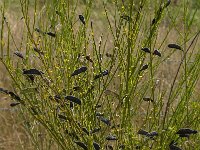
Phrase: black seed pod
x=62 y=117
x=105 y=120
x=152 y=134
x=17 y=53
x=96 y=146
x=89 y=59
x=32 y=72
x=186 y=131
x=153 y=21
x=82 y=19
x=81 y=144
x=156 y=52
x=145 y=49
x=31 y=77
x=174 y=46
x=73 y=99
x=95 y=130
x=38 y=51
x=148 y=99
x=111 y=138
x=71 y=105
x=14 y=96
x=184 y=135
x=104 y=73
x=143 y=132
x=85 y=130
x=14 y=104
x=78 y=71
x=144 y=67
x=51 y=34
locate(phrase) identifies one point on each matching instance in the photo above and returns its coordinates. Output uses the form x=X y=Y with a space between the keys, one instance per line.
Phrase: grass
x=140 y=98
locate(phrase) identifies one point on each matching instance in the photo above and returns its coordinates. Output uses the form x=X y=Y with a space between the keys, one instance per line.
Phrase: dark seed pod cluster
x=151 y=135
x=73 y=99
x=13 y=95
x=147 y=50
x=78 y=71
